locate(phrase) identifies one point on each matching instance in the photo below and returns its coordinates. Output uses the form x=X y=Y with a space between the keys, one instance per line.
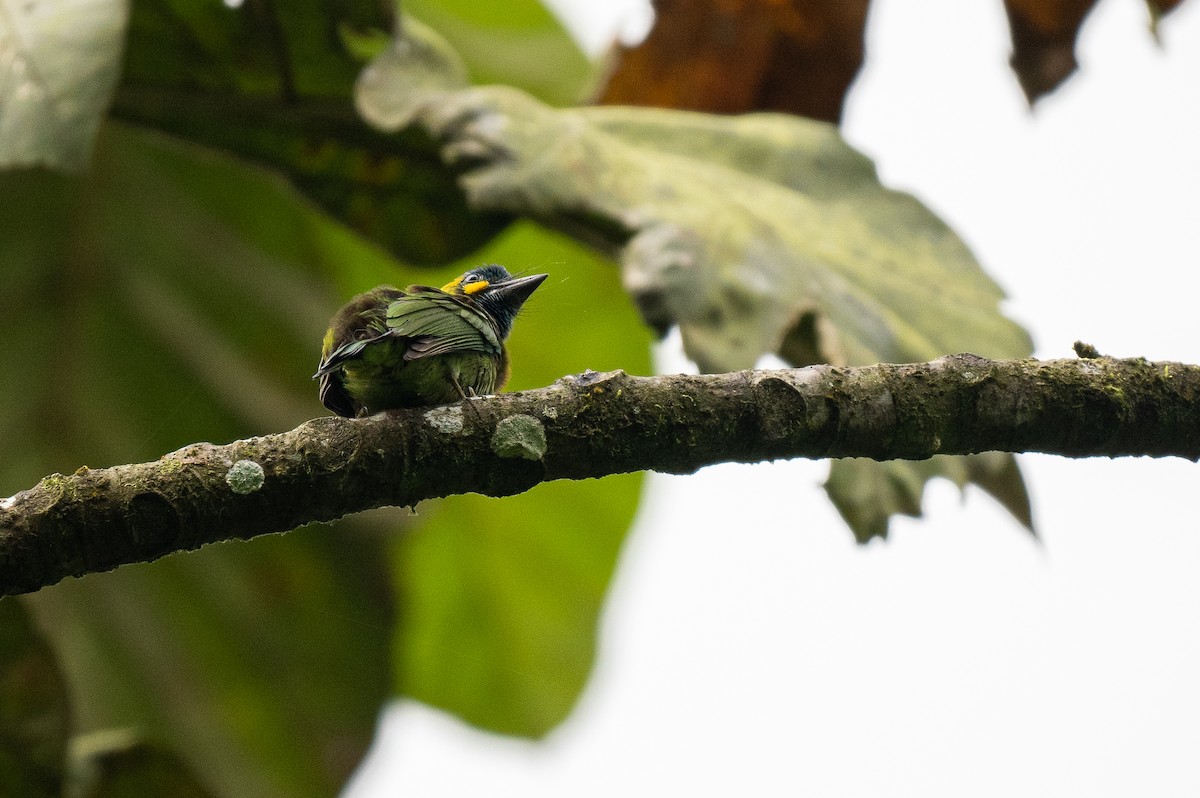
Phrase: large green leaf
x=58 y=66
x=185 y=303
x=516 y=42
x=182 y=304
x=758 y=234
x=171 y=296
x=35 y=714
x=273 y=83
x=868 y=493
x=864 y=275
x=35 y=722
x=264 y=664
x=855 y=273
x=500 y=598
x=754 y=235
x=268 y=50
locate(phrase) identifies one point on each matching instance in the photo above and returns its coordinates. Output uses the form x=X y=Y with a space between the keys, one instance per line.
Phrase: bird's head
x=496 y=291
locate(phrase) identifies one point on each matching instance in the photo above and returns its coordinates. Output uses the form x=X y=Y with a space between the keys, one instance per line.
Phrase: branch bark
x=591 y=425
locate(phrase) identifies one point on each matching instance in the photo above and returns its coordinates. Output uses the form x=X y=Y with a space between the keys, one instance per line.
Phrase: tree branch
x=591 y=425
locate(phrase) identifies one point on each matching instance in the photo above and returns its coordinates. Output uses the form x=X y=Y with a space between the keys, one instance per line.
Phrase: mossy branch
x=591 y=425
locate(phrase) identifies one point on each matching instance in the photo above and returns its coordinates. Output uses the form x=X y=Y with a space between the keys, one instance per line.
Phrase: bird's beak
x=514 y=292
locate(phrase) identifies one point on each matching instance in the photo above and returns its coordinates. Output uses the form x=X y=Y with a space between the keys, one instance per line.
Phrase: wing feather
x=347 y=351
x=360 y=322
x=438 y=323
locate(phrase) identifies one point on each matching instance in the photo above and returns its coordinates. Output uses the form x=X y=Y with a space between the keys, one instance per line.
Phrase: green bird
x=422 y=346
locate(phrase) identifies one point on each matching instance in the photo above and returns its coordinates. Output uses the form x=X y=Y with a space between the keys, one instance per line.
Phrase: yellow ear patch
x=450 y=286
x=475 y=287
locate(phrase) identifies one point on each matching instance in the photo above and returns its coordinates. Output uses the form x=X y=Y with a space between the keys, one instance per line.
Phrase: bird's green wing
x=347 y=351
x=436 y=324
x=359 y=323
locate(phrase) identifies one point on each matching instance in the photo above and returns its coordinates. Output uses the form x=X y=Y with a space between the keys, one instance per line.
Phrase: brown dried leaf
x=1044 y=34
x=1158 y=10
x=734 y=56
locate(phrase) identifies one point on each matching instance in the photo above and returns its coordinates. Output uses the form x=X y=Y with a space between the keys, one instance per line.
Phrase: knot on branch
x=791 y=404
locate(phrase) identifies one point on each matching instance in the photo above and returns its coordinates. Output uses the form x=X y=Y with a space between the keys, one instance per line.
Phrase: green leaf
x=275 y=53
x=415 y=68
x=868 y=493
x=35 y=714
x=500 y=598
x=758 y=234
x=172 y=296
x=276 y=88
x=873 y=276
x=264 y=664
x=58 y=65
x=517 y=42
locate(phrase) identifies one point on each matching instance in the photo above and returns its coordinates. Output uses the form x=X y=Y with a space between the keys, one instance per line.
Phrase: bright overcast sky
x=750 y=648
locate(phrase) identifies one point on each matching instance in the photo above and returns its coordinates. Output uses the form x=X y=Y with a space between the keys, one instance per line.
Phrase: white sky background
x=750 y=647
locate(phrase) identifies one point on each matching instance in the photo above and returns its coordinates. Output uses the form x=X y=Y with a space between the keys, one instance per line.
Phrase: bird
x=422 y=346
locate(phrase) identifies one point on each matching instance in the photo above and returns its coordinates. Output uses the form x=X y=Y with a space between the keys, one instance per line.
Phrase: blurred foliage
x=118 y=764
x=264 y=664
x=182 y=300
x=273 y=85
x=58 y=65
x=34 y=709
x=35 y=726
x=177 y=291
